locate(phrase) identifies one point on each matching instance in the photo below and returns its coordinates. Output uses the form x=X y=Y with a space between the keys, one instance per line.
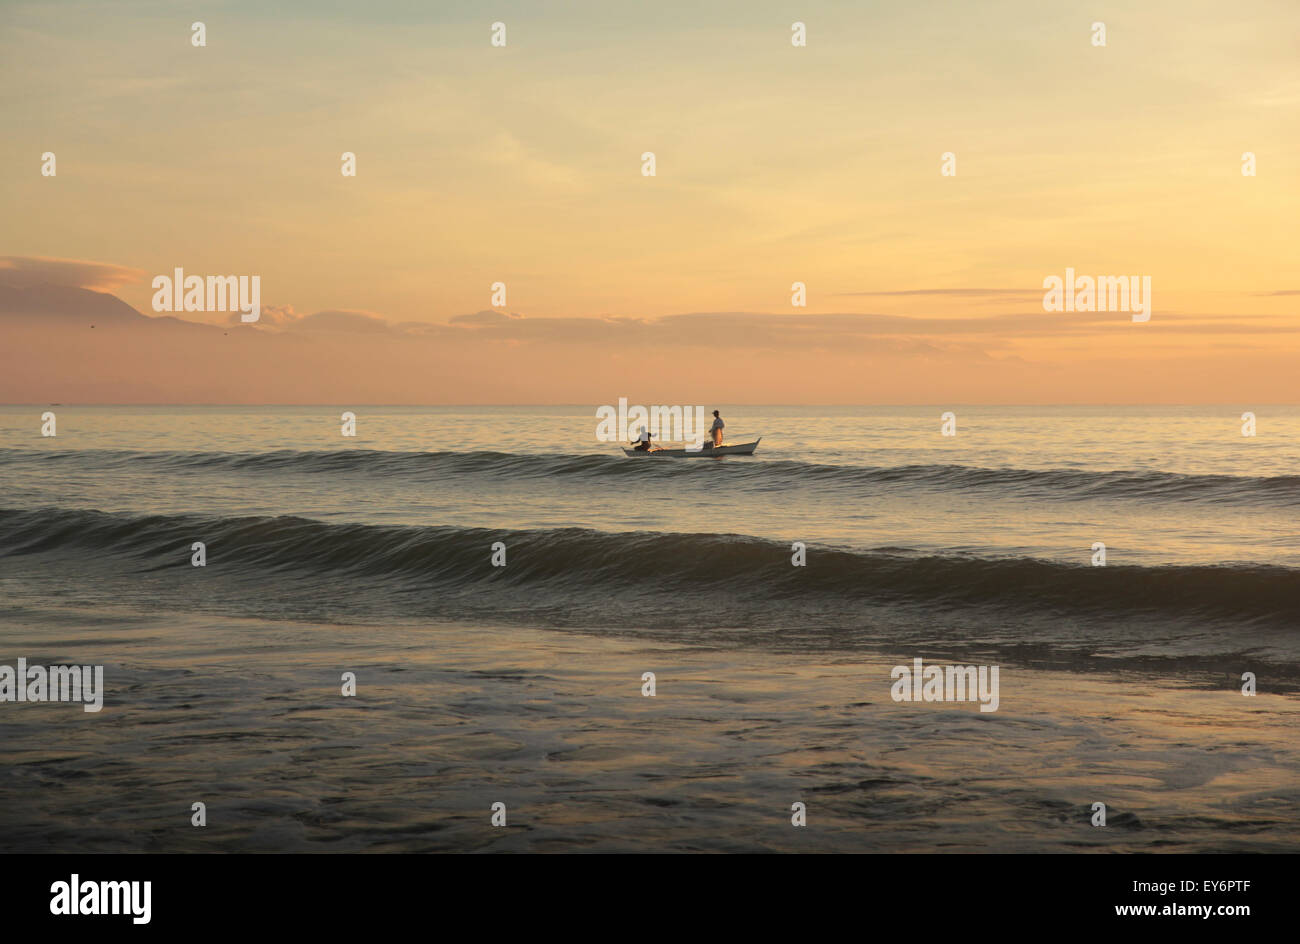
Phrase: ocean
x=523 y=684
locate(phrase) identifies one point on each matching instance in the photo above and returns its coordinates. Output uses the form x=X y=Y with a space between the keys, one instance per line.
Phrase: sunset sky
x=775 y=164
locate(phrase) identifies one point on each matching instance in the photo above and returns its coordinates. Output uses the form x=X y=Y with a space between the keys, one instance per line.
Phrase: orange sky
x=775 y=164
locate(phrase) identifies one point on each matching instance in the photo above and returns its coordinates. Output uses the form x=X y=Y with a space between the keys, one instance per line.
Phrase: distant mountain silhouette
x=65 y=305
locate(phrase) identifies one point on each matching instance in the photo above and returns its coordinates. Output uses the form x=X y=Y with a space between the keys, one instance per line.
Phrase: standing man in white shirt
x=716 y=429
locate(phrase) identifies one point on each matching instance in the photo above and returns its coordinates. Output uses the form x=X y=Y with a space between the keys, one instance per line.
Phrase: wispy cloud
x=287 y=317
x=485 y=317
x=32 y=271
x=966 y=292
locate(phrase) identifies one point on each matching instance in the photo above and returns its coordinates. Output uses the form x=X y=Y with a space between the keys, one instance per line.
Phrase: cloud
x=342 y=320
x=32 y=271
x=966 y=292
x=752 y=330
x=506 y=151
x=288 y=318
x=485 y=317
x=272 y=316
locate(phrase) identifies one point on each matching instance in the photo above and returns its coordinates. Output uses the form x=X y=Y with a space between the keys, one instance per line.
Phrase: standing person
x=716 y=429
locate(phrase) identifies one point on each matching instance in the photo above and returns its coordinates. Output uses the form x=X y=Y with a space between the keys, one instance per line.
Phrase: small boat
x=726 y=449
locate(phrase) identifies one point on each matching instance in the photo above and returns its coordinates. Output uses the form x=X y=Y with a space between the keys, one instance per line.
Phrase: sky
x=775 y=164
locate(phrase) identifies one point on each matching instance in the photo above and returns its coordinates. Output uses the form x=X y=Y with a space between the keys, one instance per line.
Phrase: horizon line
x=718 y=403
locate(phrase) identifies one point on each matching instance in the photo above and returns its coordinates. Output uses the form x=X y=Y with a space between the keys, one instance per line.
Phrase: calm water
x=1172 y=485
x=372 y=554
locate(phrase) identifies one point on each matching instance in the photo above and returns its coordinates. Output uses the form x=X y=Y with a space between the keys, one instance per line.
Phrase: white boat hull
x=726 y=449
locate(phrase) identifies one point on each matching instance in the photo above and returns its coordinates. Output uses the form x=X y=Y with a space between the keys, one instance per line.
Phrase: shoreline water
x=247 y=717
